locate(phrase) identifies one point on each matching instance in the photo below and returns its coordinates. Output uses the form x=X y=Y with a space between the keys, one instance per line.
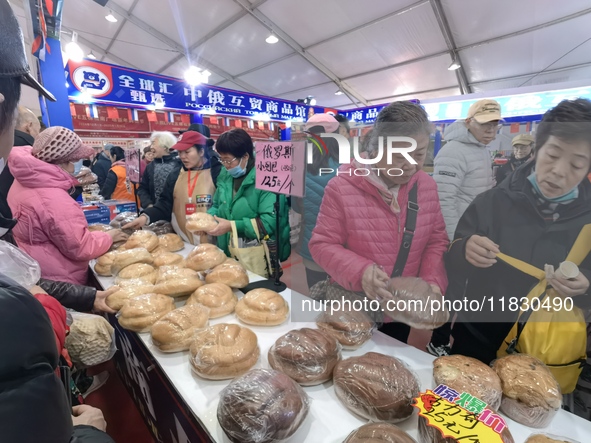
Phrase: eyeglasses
x=228 y=162
x=490 y=126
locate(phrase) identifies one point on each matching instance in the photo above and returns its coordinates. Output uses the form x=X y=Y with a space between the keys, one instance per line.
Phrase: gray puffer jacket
x=463 y=169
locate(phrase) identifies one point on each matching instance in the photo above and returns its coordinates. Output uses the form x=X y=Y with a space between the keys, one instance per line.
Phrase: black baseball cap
x=198 y=127
x=13 y=58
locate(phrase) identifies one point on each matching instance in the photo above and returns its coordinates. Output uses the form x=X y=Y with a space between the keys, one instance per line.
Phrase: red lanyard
x=191 y=186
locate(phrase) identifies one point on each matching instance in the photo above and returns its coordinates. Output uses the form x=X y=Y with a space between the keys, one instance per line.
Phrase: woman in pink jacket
x=362 y=217
x=51 y=226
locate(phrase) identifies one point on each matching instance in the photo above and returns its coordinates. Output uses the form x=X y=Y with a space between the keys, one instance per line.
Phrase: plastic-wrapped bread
x=430 y=434
x=90 y=341
x=160 y=227
x=100 y=228
x=142 y=239
x=413 y=288
x=169 y=259
x=104 y=263
x=351 y=328
x=140 y=313
x=547 y=438
x=379 y=433
x=230 y=273
x=177 y=282
x=224 y=351
x=137 y=271
x=217 y=297
x=466 y=374
x=376 y=386
x=205 y=256
x=118 y=299
x=308 y=356
x=531 y=394
x=123 y=219
x=171 y=242
x=175 y=331
x=262 y=406
x=200 y=222
x=262 y=307
x=129 y=257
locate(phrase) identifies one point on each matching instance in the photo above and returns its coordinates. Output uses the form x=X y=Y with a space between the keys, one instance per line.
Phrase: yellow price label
x=454 y=421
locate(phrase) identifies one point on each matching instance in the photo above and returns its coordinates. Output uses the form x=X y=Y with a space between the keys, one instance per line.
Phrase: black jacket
x=508 y=216
x=147 y=188
x=101 y=167
x=6 y=178
x=215 y=165
x=505 y=170
x=162 y=209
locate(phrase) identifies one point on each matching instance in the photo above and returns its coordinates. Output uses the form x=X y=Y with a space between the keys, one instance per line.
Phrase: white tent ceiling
x=375 y=51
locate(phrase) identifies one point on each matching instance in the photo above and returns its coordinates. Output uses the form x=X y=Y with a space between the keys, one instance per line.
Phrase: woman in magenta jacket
x=362 y=217
x=51 y=226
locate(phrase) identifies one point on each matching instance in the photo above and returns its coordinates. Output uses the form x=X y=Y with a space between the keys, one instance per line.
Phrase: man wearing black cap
x=214 y=157
x=34 y=404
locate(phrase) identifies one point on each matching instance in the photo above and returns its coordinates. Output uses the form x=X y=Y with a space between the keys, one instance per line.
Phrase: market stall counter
x=181 y=407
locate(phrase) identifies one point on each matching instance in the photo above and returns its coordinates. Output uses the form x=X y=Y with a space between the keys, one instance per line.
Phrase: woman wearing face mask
x=360 y=228
x=188 y=189
x=237 y=200
x=523 y=151
x=535 y=215
x=51 y=226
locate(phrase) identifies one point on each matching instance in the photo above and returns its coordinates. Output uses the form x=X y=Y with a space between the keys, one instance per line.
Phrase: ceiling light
x=312 y=101
x=91 y=56
x=339 y=92
x=454 y=65
x=194 y=76
x=111 y=18
x=85 y=96
x=159 y=103
x=272 y=39
x=73 y=49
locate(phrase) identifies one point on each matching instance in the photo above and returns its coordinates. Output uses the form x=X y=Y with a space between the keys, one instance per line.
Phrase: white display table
x=328 y=421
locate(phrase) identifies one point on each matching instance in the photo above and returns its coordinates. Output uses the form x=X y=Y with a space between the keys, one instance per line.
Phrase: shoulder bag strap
x=409 y=231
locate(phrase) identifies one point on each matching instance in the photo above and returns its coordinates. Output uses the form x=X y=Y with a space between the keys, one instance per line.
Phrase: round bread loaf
x=99 y=228
x=429 y=434
x=118 y=299
x=217 y=297
x=200 y=222
x=379 y=433
x=531 y=394
x=262 y=307
x=171 y=242
x=104 y=263
x=351 y=328
x=466 y=374
x=177 y=282
x=205 y=256
x=129 y=257
x=175 y=331
x=308 y=356
x=159 y=251
x=142 y=239
x=540 y=438
x=224 y=351
x=168 y=259
x=230 y=273
x=140 y=313
x=137 y=271
x=262 y=406
x=376 y=386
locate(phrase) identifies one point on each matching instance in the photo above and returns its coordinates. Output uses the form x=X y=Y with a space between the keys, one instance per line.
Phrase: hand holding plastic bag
x=17 y=265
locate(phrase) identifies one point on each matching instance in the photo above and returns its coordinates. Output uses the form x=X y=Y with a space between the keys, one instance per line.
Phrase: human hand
x=138 y=223
x=375 y=283
x=100 y=300
x=89 y=416
x=37 y=290
x=570 y=288
x=481 y=251
x=224 y=226
x=118 y=235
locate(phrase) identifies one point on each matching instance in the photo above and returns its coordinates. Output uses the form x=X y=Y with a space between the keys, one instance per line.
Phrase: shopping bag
x=253 y=258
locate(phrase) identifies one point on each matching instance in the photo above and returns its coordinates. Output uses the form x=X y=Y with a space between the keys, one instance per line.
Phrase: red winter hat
x=189 y=139
x=60 y=145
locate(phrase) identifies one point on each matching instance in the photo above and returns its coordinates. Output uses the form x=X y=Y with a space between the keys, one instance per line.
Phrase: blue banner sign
x=367 y=115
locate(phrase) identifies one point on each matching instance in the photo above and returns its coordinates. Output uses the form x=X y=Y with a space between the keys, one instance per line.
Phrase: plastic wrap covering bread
x=122 y=219
x=160 y=227
x=169 y=259
x=103 y=264
x=351 y=328
x=262 y=307
x=308 y=356
x=379 y=433
x=137 y=271
x=18 y=266
x=171 y=242
x=100 y=228
x=262 y=406
x=131 y=289
x=407 y=289
x=140 y=313
x=123 y=259
x=466 y=374
x=142 y=239
x=224 y=351
x=548 y=438
x=175 y=331
x=200 y=222
x=230 y=273
x=430 y=434
x=177 y=282
x=204 y=257
x=159 y=251
x=91 y=340
x=376 y=386
x=531 y=394
x=217 y=297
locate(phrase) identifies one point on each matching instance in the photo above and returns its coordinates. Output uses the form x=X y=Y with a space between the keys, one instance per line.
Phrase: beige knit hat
x=60 y=145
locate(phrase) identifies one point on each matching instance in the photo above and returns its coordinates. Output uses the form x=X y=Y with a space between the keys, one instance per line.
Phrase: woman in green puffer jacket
x=236 y=198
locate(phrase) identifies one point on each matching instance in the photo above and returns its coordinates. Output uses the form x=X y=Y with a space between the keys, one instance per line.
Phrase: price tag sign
x=133 y=158
x=462 y=417
x=280 y=167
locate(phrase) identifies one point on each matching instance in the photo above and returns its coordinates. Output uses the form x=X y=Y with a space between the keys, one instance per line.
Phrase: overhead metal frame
x=120 y=28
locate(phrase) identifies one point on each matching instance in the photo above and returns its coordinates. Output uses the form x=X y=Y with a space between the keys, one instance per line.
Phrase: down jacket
x=462 y=171
x=51 y=226
x=154 y=179
x=356 y=228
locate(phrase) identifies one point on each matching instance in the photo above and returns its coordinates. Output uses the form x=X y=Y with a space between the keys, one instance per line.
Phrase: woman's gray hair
x=401 y=118
x=165 y=139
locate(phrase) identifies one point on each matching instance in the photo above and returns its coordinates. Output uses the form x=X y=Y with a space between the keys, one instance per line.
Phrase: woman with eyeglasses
x=523 y=150
x=238 y=201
